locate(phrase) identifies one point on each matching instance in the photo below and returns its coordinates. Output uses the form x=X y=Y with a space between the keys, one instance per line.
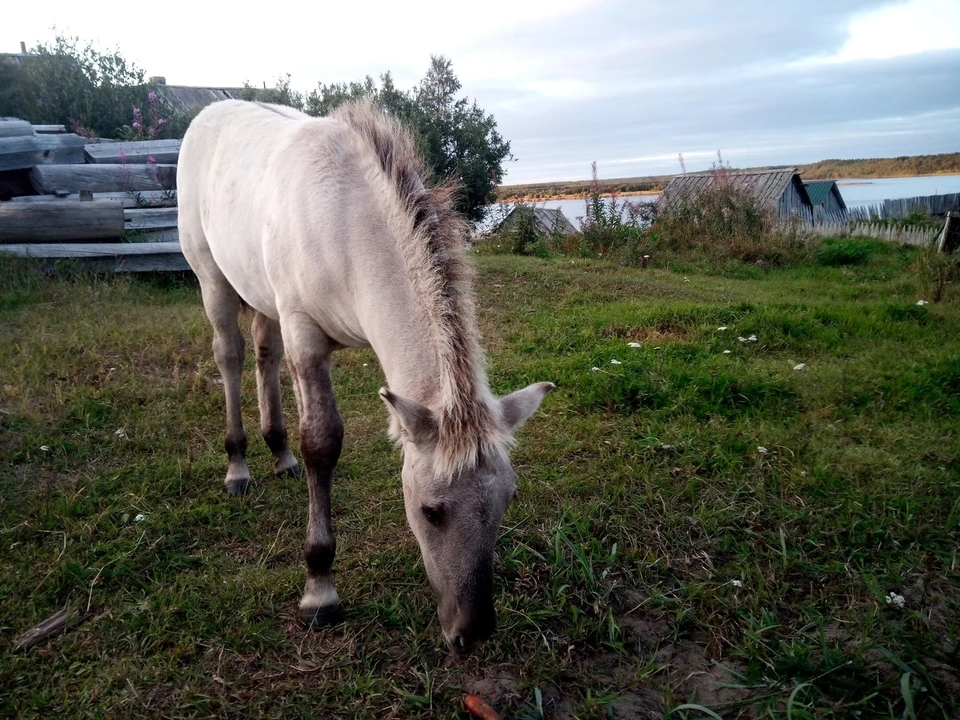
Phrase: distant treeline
x=580 y=188
x=946 y=164
x=908 y=166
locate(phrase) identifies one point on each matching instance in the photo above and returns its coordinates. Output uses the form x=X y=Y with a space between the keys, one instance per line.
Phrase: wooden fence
x=935 y=205
x=108 y=205
x=891 y=233
x=932 y=205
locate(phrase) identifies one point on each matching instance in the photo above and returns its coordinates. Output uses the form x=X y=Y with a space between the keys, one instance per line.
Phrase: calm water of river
x=855 y=192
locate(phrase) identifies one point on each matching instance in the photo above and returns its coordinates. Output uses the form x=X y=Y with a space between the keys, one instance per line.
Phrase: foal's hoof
x=286 y=465
x=322 y=617
x=290 y=472
x=240 y=486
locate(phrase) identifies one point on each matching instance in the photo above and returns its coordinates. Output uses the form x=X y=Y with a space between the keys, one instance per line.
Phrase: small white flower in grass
x=120 y=433
x=752 y=338
x=726 y=352
x=140 y=517
x=595 y=369
x=803 y=473
x=616 y=362
x=45 y=448
x=762 y=450
x=634 y=345
x=742 y=339
x=722 y=327
x=657 y=347
x=895 y=600
x=365 y=364
x=736 y=583
x=799 y=366
x=666 y=447
x=922 y=302
x=686 y=279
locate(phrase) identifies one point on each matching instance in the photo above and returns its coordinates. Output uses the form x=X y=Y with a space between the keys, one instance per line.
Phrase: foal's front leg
x=321 y=438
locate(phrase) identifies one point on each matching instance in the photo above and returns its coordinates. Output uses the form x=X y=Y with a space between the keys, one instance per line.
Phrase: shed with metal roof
x=825 y=197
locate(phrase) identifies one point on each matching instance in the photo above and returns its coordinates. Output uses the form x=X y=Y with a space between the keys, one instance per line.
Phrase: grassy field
x=704 y=523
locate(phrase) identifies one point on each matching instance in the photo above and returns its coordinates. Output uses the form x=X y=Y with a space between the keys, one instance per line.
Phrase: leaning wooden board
x=130 y=200
x=150 y=218
x=25 y=151
x=66 y=179
x=107 y=257
x=14 y=127
x=66 y=221
x=136 y=152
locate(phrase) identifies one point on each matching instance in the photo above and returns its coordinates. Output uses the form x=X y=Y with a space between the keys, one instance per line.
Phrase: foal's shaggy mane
x=430 y=236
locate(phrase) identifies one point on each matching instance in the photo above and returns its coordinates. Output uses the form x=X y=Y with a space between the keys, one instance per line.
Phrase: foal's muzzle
x=471 y=625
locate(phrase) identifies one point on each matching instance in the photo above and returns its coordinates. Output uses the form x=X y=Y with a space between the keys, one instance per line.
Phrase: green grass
x=654 y=561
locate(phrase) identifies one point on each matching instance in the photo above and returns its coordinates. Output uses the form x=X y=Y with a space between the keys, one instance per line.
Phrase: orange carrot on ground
x=476 y=706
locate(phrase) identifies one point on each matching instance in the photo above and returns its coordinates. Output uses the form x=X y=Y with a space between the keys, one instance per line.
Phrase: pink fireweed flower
x=121 y=155
x=150 y=160
x=160 y=121
x=152 y=96
x=136 y=125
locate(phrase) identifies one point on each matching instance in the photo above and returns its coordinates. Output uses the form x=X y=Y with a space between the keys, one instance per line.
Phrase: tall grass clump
x=722 y=223
x=612 y=227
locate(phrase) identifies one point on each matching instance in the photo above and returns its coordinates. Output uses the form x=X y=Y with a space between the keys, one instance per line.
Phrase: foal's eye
x=434 y=515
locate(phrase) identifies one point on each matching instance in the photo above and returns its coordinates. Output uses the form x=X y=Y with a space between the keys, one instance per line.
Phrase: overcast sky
x=626 y=83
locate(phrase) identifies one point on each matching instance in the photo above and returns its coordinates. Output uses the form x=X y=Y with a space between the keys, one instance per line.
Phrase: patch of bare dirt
x=691 y=665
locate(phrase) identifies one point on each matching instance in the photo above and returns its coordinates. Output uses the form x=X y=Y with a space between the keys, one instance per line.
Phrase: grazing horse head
x=455 y=509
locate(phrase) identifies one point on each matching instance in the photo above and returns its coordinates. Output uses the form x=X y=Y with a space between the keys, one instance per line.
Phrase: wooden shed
x=546 y=221
x=186 y=97
x=781 y=189
x=825 y=197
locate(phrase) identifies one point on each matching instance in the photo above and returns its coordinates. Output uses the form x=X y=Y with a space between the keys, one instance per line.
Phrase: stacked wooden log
x=109 y=205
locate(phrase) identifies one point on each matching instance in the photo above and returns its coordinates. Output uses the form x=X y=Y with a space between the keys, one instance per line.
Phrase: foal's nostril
x=459 y=643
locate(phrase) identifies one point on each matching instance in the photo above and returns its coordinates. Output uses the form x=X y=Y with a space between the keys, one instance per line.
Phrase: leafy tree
x=281 y=94
x=76 y=85
x=457 y=137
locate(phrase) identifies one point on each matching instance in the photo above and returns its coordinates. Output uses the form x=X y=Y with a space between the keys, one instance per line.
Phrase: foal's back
x=264 y=193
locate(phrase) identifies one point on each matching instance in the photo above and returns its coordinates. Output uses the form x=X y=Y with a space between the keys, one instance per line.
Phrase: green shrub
x=847 y=252
x=724 y=223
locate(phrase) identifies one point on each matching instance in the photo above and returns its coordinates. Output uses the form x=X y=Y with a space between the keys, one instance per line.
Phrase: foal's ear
x=416 y=421
x=520 y=405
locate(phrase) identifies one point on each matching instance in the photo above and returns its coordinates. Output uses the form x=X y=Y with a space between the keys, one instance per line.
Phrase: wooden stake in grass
x=58 y=623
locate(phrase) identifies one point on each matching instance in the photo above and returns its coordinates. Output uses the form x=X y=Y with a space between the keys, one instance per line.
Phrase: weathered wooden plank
x=150 y=218
x=140 y=199
x=49 y=129
x=65 y=179
x=54 y=625
x=949 y=238
x=139 y=152
x=15 y=127
x=17 y=153
x=158 y=236
x=61 y=221
x=107 y=257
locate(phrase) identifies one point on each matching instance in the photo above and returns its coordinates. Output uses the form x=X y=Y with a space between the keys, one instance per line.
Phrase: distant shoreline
x=858 y=171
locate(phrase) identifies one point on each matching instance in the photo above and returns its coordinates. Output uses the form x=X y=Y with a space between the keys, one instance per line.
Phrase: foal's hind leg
x=321 y=437
x=269 y=346
x=223 y=306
